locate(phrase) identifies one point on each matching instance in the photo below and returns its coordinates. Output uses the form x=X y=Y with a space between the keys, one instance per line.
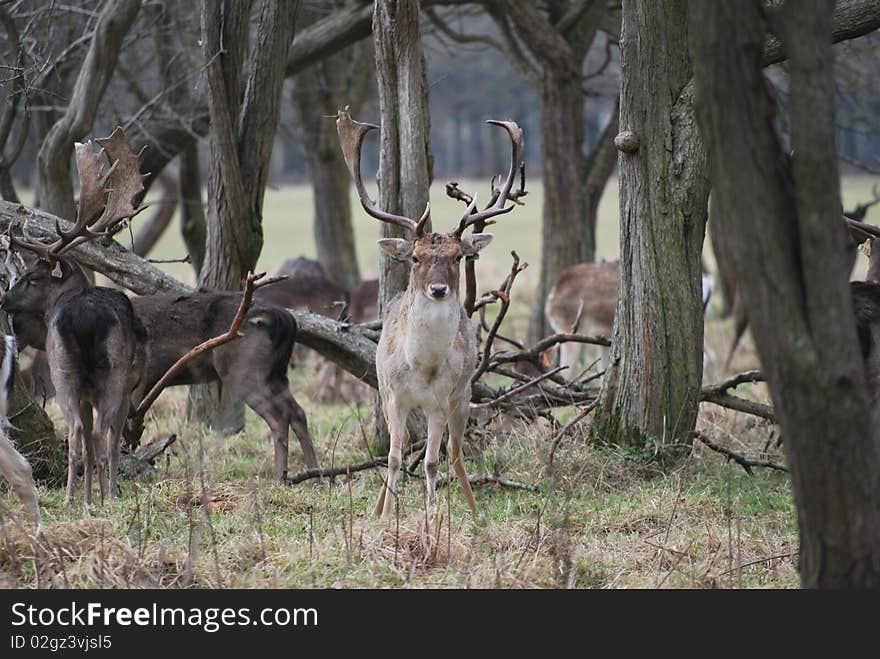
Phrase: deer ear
x=397 y=248
x=473 y=243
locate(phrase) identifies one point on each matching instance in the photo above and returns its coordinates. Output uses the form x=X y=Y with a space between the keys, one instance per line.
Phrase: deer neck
x=431 y=328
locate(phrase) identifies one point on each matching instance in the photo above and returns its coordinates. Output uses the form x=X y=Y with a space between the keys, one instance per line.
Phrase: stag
x=428 y=348
x=13 y=467
x=93 y=340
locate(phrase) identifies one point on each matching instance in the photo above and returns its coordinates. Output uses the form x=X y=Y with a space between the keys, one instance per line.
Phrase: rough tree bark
x=793 y=280
x=404 y=159
x=332 y=83
x=242 y=135
x=651 y=388
x=53 y=160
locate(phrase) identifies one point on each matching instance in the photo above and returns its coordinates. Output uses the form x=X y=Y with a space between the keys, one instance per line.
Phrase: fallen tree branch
x=717 y=394
x=492 y=479
x=739 y=404
x=329 y=472
x=742 y=461
x=508 y=394
x=733 y=382
x=140 y=463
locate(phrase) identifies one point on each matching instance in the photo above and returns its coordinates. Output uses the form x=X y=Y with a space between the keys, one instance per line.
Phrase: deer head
x=435 y=258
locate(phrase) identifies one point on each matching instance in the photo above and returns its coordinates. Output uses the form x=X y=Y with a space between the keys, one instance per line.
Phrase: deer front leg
x=395 y=417
x=436 y=425
x=458 y=417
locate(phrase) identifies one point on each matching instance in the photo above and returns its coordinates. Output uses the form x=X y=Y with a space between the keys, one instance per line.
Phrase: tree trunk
x=404 y=159
x=651 y=389
x=242 y=136
x=193 y=225
x=793 y=279
x=332 y=83
x=558 y=40
x=54 y=157
x=152 y=227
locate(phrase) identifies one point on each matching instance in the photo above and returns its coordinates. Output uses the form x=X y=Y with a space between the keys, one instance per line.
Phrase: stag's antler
x=859 y=212
x=498 y=206
x=101 y=207
x=351 y=138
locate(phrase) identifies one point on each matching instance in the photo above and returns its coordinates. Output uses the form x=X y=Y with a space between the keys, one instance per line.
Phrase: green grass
x=607 y=518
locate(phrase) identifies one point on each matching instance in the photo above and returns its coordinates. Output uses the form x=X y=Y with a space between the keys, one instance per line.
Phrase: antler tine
x=516 y=148
x=32 y=245
x=126 y=184
x=351 y=139
x=463 y=222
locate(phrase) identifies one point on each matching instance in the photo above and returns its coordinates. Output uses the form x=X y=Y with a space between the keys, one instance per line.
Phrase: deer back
x=176 y=323
x=585 y=292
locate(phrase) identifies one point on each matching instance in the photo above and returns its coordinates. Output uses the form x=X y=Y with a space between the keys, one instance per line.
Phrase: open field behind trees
x=214 y=517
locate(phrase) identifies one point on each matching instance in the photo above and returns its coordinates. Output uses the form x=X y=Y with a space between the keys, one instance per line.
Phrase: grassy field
x=608 y=518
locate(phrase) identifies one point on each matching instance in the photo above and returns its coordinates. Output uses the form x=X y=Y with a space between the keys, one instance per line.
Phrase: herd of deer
x=106 y=350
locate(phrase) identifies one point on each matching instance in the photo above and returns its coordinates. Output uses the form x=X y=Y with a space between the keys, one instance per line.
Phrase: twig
x=522 y=387
x=742 y=461
x=504 y=296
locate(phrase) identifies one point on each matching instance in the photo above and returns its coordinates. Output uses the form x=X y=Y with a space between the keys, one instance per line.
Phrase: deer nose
x=438 y=290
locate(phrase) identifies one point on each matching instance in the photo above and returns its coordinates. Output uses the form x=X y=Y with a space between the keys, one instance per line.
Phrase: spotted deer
x=93 y=340
x=427 y=352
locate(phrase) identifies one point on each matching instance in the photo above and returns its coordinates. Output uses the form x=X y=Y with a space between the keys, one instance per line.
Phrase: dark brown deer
x=428 y=348
x=93 y=340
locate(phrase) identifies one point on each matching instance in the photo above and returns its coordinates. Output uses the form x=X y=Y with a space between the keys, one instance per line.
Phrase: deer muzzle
x=438 y=291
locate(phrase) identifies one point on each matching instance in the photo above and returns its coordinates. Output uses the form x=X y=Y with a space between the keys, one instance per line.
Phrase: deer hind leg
x=110 y=428
x=18 y=472
x=395 y=417
x=457 y=422
x=436 y=426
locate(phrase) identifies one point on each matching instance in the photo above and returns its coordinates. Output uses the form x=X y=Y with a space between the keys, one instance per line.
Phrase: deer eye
x=458 y=258
x=415 y=259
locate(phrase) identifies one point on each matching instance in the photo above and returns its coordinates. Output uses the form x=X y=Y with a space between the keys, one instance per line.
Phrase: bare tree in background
x=787 y=247
x=547 y=44
x=338 y=80
x=55 y=181
x=244 y=105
